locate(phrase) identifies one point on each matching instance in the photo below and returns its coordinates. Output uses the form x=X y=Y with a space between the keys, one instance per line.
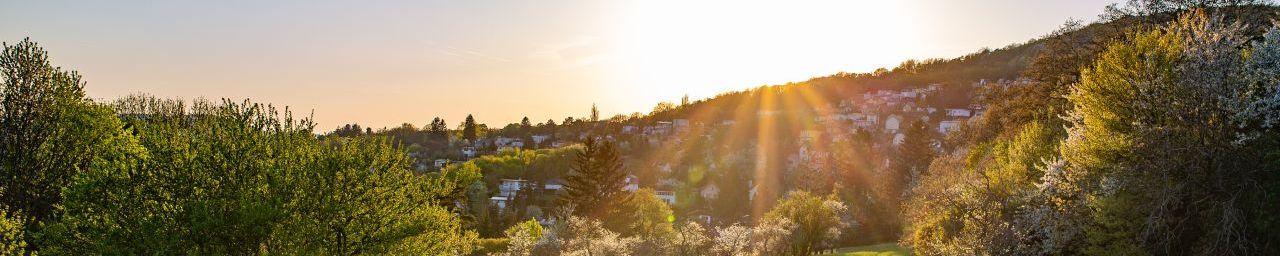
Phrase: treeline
x=1154 y=133
x=595 y=215
x=142 y=175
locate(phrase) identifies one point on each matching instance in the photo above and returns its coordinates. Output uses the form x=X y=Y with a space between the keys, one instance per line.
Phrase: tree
x=690 y=239
x=344 y=208
x=470 y=131
x=523 y=237
x=552 y=129
x=438 y=130
x=12 y=234
x=647 y=216
x=594 y=188
x=586 y=236
x=818 y=221
x=911 y=159
x=595 y=113
x=243 y=178
x=1165 y=145
x=732 y=202
x=732 y=240
x=49 y=133
x=648 y=219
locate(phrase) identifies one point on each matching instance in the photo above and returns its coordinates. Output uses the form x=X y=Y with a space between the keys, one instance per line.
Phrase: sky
x=383 y=63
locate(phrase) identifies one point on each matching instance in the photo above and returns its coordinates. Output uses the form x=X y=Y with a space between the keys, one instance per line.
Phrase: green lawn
x=885 y=249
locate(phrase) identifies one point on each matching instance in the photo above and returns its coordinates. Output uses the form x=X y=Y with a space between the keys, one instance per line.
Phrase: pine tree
x=912 y=157
x=525 y=126
x=439 y=131
x=469 y=129
x=595 y=185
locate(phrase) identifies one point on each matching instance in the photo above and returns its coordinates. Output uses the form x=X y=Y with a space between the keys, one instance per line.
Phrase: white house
x=499 y=201
x=554 y=185
x=510 y=187
x=710 y=191
x=469 y=152
x=538 y=139
x=629 y=129
x=441 y=163
x=946 y=127
x=666 y=196
x=892 y=123
x=959 y=112
x=681 y=125
x=662 y=128
x=503 y=141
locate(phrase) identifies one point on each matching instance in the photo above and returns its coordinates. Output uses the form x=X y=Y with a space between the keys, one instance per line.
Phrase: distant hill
x=1021 y=60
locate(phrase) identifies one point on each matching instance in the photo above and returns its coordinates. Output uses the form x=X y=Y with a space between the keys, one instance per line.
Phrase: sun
x=704 y=47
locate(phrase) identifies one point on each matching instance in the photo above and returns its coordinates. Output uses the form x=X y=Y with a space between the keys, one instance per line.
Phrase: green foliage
x=594 y=188
x=1160 y=144
x=647 y=217
x=818 y=221
x=492 y=246
x=1164 y=134
x=49 y=133
x=536 y=165
x=470 y=129
x=242 y=178
x=523 y=237
x=12 y=234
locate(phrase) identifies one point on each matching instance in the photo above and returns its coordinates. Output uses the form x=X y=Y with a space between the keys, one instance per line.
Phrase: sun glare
x=704 y=47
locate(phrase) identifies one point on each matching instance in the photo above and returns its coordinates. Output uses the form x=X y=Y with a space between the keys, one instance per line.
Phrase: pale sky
x=382 y=63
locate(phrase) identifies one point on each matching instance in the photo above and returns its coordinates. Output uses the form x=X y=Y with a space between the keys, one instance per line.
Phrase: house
x=499 y=201
x=959 y=112
x=710 y=191
x=633 y=183
x=503 y=142
x=469 y=152
x=809 y=135
x=662 y=128
x=681 y=125
x=949 y=126
x=666 y=196
x=892 y=123
x=863 y=124
x=539 y=139
x=728 y=122
x=510 y=187
x=441 y=163
x=630 y=129
x=554 y=184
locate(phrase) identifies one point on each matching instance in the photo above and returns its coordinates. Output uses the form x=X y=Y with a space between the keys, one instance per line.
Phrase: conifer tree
x=912 y=157
x=469 y=129
x=595 y=185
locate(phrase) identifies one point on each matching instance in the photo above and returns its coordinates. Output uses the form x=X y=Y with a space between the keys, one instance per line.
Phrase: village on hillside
x=880 y=116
